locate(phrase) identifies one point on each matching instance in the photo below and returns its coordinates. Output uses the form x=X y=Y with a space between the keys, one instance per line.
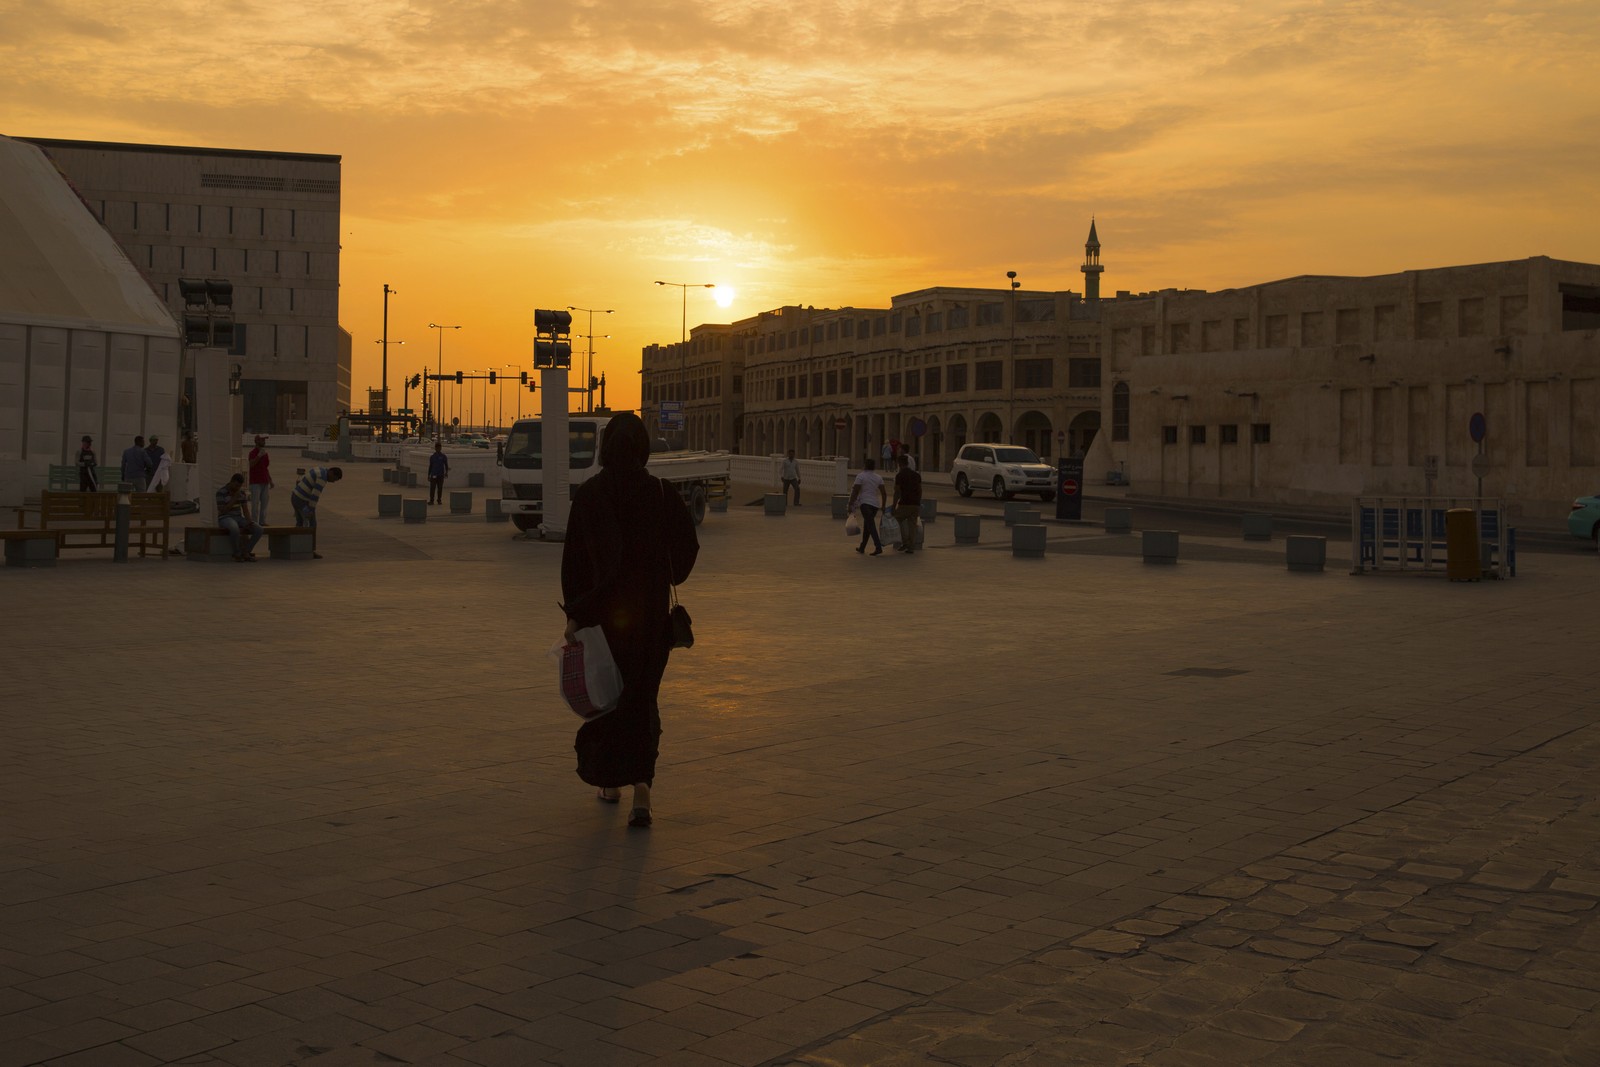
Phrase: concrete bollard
x=1013 y=509
x=475 y=480
x=967 y=529
x=388 y=505
x=493 y=512
x=1304 y=552
x=1161 y=546
x=460 y=502
x=841 y=506
x=1119 y=520
x=1257 y=527
x=930 y=509
x=38 y=551
x=777 y=504
x=413 y=510
x=1027 y=540
x=411 y=480
x=1027 y=517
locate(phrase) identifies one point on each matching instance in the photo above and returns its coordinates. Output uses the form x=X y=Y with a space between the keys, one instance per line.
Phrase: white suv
x=1003 y=470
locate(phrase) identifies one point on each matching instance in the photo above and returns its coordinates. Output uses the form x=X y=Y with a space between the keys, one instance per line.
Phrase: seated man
x=233 y=515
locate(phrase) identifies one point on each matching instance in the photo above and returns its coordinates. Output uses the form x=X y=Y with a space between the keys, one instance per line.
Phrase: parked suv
x=1003 y=470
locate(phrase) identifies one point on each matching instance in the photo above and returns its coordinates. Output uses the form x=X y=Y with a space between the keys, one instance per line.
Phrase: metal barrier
x=1407 y=534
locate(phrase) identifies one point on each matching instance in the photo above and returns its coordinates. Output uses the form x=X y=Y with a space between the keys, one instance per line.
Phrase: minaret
x=1091 y=266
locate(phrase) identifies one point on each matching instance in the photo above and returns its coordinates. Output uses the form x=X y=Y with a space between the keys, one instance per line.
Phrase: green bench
x=64 y=476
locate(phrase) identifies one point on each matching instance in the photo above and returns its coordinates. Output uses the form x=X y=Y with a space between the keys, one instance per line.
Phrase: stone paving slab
x=945 y=808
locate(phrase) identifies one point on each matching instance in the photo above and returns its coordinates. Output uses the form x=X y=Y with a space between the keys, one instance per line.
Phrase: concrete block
x=411 y=480
x=930 y=509
x=493 y=511
x=1119 y=520
x=1013 y=509
x=777 y=504
x=475 y=480
x=203 y=545
x=841 y=506
x=31 y=551
x=298 y=543
x=1027 y=517
x=1027 y=540
x=460 y=502
x=967 y=529
x=1161 y=546
x=388 y=505
x=1305 y=553
x=1258 y=527
x=414 y=510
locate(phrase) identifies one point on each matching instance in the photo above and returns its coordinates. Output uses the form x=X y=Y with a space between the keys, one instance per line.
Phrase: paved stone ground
x=951 y=808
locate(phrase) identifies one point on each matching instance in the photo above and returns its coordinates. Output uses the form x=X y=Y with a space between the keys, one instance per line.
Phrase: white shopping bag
x=586 y=674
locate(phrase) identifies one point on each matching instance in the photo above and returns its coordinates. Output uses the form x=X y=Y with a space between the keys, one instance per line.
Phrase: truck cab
x=522 y=465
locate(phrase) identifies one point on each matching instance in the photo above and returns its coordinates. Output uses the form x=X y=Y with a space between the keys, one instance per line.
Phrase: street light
x=589 y=385
x=589 y=372
x=386 y=343
x=683 y=351
x=438 y=392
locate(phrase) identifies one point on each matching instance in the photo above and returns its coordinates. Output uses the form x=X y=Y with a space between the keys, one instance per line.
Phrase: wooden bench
x=64 y=476
x=211 y=544
x=31 y=548
x=89 y=520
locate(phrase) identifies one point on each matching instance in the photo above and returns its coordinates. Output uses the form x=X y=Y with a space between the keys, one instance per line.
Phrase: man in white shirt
x=789 y=472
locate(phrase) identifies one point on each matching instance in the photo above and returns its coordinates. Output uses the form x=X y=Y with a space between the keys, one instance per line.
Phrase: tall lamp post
x=587 y=386
x=1011 y=371
x=438 y=389
x=385 y=342
x=589 y=370
x=683 y=351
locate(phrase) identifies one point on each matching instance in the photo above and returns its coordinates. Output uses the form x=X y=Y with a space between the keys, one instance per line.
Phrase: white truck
x=699 y=477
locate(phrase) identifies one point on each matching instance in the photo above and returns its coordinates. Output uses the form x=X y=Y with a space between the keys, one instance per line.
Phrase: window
x=816 y=383
x=802 y=384
x=990 y=374
x=1470 y=317
x=833 y=331
x=1197 y=435
x=880 y=325
x=1347 y=326
x=958 y=379
x=934 y=322
x=913 y=383
x=738 y=384
x=1119 y=411
x=1035 y=373
x=1261 y=433
x=991 y=314
x=1083 y=373
x=894 y=384
x=878 y=383
x=844 y=380
x=1310 y=328
x=833 y=383
x=1211 y=335
x=894 y=322
x=1430 y=320
x=1169 y=435
x=930 y=380
x=861 y=388
x=847 y=327
x=816 y=333
x=913 y=327
x=1277 y=331
x=1177 y=337
x=958 y=317
x=1228 y=433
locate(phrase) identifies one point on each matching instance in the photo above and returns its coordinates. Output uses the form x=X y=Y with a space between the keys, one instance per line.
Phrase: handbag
x=587 y=674
x=679 y=625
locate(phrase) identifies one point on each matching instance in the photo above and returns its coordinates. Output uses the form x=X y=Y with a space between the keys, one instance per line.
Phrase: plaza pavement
x=953 y=808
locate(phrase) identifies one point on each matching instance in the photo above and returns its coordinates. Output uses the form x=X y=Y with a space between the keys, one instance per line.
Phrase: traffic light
x=554 y=323
x=220 y=292
x=552 y=353
x=594 y=383
x=222 y=331
x=491 y=377
x=196 y=330
x=524 y=377
x=416 y=380
x=458 y=377
x=194 y=292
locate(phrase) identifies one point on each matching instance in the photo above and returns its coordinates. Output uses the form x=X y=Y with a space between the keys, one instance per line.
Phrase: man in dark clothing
x=438 y=471
x=907 y=503
x=88 y=479
x=136 y=465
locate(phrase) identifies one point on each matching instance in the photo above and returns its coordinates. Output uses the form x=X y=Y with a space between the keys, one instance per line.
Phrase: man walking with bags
x=907 y=503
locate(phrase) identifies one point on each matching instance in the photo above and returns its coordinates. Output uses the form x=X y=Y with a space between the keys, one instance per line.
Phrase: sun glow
x=725 y=295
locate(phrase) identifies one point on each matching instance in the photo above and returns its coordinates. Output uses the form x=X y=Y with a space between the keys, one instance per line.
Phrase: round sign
x=1477 y=427
x=1061 y=435
x=1069 y=487
x=918 y=427
x=1480 y=465
x=839 y=424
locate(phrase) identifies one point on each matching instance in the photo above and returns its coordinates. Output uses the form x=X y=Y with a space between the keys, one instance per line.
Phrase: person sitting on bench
x=233 y=515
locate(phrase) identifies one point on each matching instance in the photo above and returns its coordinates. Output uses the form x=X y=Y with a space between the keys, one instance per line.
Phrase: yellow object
x=1461 y=545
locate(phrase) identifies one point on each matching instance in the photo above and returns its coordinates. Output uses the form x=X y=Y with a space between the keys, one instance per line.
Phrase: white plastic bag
x=586 y=674
x=888 y=526
x=852 y=524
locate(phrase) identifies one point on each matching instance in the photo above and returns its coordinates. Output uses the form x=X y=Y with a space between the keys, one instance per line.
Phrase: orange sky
x=503 y=155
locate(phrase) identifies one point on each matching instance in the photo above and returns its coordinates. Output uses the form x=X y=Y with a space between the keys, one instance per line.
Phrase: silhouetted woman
x=629 y=539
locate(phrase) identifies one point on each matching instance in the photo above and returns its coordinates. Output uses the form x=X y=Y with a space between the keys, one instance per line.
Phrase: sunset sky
x=503 y=155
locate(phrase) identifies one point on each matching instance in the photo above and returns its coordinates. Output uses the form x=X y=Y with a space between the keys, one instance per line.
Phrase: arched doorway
x=990 y=427
x=1034 y=431
x=933 y=455
x=1081 y=433
x=957 y=433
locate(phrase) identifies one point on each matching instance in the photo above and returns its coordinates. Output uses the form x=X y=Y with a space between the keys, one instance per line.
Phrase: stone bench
x=1119 y=520
x=475 y=480
x=1028 y=540
x=1028 y=517
x=211 y=544
x=1257 y=527
x=414 y=510
x=1014 y=508
x=460 y=502
x=968 y=527
x=389 y=505
x=1306 y=553
x=31 y=548
x=1161 y=546
x=291 y=542
x=776 y=504
x=493 y=511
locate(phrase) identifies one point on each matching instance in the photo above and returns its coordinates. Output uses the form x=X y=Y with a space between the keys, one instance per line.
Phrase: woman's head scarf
x=625 y=443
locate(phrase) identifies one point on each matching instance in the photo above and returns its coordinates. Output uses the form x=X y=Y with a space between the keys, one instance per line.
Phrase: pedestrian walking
x=88 y=477
x=629 y=540
x=789 y=473
x=136 y=464
x=887 y=454
x=261 y=483
x=869 y=496
x=907 y=503
x=438 y=471
x=303 y=499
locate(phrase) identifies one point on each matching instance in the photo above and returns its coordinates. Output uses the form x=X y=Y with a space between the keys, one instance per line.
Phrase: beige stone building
x=268 y=222
x=1319 y=389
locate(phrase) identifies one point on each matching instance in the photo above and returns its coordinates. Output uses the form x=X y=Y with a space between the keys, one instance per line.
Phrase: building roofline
x=180 y=150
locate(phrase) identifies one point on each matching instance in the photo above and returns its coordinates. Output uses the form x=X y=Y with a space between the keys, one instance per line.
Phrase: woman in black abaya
x=629 y=539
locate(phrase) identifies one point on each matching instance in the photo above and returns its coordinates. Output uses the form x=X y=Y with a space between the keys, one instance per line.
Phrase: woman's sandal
x=639 y=817
x=609 y=796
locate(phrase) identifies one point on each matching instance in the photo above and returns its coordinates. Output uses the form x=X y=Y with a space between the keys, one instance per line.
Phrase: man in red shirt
x=261 y=483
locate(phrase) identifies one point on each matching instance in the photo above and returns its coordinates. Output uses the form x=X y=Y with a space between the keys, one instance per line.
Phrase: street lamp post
x=385 y=343
x=1011 y=371
x=588 y=386
x=588 y=373
x=519 y=368
x=438 y=391
x=683 y=351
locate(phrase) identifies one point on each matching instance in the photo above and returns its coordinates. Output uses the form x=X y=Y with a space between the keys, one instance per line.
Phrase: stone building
x=268 y=222
x=1318 y=389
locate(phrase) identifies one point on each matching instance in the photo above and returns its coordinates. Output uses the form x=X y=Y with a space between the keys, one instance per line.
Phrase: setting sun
x=725 y=295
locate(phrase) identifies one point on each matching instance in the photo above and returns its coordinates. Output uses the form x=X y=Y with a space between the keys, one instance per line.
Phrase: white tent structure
x=86 y=345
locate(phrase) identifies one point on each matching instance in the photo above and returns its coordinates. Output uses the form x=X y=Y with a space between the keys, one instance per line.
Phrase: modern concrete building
x=268 y=222
x=1318 y=389
x=86 y=346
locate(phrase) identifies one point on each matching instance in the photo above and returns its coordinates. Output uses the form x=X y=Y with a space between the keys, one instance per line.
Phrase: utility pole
x=386 y=292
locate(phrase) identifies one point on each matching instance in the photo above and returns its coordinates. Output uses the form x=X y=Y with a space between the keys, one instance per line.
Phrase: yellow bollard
x=1461 y=545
